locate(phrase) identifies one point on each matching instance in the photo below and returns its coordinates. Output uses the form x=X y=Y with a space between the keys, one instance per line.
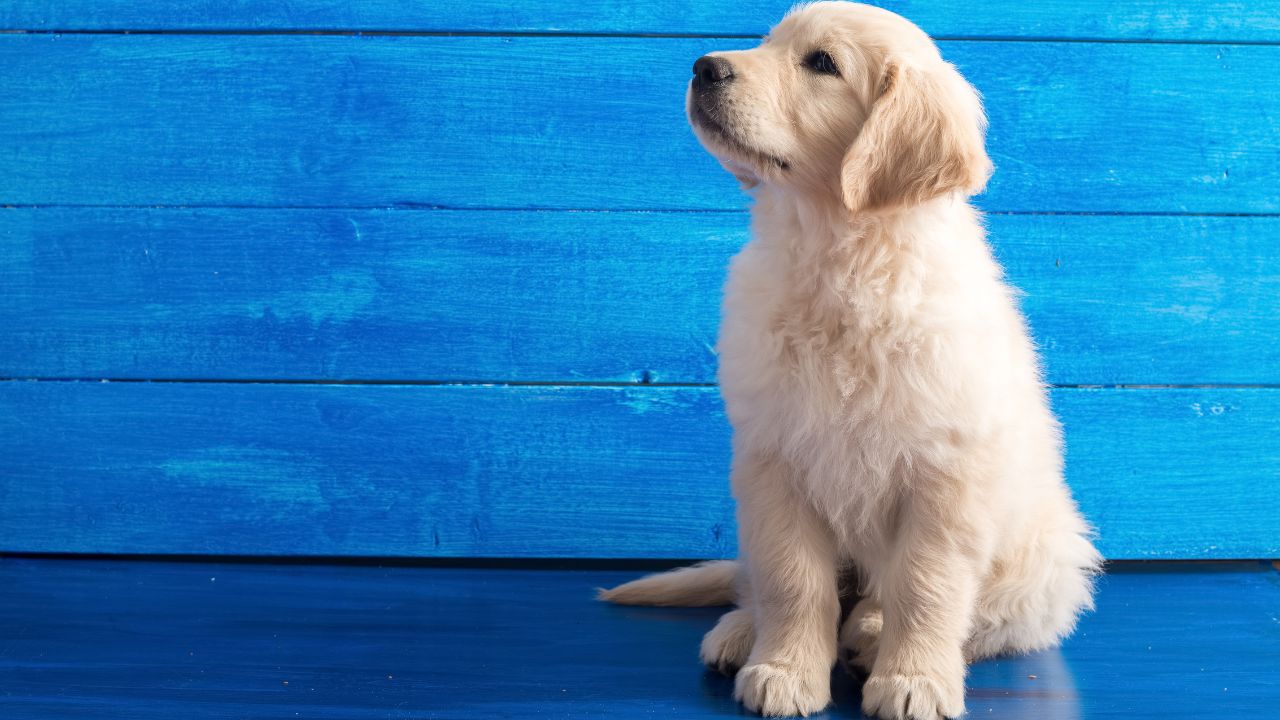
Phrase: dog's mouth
x=706 y=122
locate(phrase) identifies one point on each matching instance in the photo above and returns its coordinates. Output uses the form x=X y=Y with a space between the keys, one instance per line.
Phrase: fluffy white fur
x=888 y=409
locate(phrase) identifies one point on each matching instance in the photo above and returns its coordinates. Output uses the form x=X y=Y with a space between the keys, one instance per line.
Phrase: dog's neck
x=816 y=225
x=839 y=257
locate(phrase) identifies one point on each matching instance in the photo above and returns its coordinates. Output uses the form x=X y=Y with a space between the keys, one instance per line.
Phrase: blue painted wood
x=538 y=296
x=596 y=123
x=502 y=471
x=1218 y=20
x=111 y=639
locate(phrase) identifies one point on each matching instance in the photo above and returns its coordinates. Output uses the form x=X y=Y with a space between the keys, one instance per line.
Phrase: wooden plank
x=402 y=295
x=1217 y=20
x=587 y=123
x=545 y=296
x=1148 y=300
x=362 y=470
x=467 y=471
x=155 y=640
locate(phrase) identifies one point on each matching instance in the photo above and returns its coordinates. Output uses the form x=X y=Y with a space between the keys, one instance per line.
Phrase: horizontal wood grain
x=1219 y=20
x=159 y=640
x=588 y=123
x=501 y=471
x=545 y=296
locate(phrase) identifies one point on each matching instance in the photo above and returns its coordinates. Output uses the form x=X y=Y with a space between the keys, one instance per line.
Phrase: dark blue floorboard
x=84 y=638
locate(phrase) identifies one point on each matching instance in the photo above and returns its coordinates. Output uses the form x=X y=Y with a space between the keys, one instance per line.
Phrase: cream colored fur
x=888 y=409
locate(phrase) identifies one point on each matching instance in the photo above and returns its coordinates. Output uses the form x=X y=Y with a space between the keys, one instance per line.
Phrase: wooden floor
x=146 y=639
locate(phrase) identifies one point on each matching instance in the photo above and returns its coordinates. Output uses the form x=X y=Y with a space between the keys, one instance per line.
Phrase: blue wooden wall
x=441 y=279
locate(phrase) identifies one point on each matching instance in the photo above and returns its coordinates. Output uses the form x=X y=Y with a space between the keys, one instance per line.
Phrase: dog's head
x=843 y=99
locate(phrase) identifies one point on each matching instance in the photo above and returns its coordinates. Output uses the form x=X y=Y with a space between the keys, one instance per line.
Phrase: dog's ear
x=924 y=138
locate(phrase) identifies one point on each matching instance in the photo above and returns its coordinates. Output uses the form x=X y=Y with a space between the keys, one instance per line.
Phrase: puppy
x=889 y=415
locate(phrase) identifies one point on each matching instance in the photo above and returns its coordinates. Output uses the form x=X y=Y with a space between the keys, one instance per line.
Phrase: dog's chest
x=800 y=370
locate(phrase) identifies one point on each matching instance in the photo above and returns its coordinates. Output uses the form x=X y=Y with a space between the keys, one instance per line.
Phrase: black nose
x=710 y=70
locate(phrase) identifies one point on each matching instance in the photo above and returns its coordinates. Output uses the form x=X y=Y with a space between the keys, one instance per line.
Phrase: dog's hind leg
x=860 y=636
x=1032 y=597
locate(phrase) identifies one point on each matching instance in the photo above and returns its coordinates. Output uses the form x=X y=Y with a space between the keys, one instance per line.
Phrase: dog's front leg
x=927 y=590
x=790 y=556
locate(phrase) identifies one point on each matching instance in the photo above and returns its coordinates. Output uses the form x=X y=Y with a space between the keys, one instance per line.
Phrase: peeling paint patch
x=338 y=297
x=276 y=476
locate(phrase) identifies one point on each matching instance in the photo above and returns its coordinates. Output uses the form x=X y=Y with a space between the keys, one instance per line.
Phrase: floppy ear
x=923 y=139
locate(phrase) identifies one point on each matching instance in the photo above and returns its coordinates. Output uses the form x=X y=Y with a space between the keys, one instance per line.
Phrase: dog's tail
x=708 y=583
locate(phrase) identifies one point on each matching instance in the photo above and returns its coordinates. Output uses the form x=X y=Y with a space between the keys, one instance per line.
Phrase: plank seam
x=568 y=383
x=498 y=33
x=429 y=207
x=494 y=563
x=426 y=561
x=419 y=383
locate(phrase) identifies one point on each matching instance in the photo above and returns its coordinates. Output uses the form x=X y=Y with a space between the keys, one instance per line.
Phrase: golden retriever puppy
x=889 y=416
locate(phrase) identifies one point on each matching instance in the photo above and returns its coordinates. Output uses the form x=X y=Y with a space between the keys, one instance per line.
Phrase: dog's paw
x=860 y=637
x=912 y=697
x=728 y=645
x=777 y=691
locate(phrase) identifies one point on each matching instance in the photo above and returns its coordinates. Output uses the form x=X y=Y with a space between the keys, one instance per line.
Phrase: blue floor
x=132 y=639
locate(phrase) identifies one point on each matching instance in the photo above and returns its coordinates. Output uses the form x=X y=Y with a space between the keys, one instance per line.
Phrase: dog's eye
x=821 y=62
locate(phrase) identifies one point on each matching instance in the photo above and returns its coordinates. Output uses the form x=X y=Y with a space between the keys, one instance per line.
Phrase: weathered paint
x=236 y=107
x=1202 y=20
x=503 y=471
x=582 y=123
x=430 y=295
